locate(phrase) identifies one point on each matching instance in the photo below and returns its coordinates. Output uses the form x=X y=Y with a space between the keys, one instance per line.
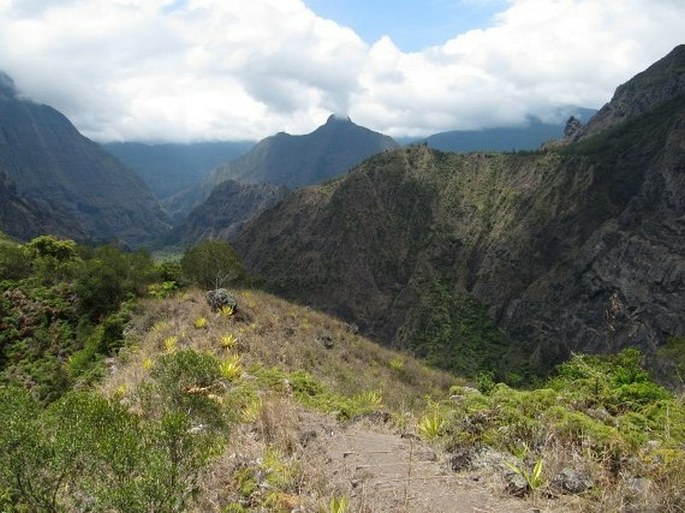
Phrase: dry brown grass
x=272 y=431
x=270 y=332
x=281 y=444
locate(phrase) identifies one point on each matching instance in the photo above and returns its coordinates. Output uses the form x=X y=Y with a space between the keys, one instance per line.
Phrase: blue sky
x=411 y=24
x=190 y=70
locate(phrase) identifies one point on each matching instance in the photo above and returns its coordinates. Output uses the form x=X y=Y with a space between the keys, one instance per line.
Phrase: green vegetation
x=602 y=410
x=86 y=452
x=63 y=308
x=455 y=333
x=212 y=264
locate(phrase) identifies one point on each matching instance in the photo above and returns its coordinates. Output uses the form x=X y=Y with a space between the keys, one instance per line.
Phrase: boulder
x=219 y=298
x=572 y=481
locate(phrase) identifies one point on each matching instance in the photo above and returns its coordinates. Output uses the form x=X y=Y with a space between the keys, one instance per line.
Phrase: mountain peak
x=7 y=88
x=338 y=118
x=662 y=81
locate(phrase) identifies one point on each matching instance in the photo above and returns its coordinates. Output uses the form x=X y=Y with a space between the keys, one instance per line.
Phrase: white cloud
x=218 y=69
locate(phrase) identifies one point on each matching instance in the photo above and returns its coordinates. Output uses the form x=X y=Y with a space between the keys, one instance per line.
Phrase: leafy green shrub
x=84 y=452
x=603 y=406
x=14 y=261
x=212 y=264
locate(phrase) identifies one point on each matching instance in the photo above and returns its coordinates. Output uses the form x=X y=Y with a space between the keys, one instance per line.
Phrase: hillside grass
x=201 y=410
x=277 y=341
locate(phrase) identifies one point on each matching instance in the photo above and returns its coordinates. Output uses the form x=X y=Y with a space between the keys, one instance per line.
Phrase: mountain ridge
x=290 y=160
x=49 y=161
x=555 y=245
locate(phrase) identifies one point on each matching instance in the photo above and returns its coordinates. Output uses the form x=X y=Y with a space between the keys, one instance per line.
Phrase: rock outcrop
x=661 y=82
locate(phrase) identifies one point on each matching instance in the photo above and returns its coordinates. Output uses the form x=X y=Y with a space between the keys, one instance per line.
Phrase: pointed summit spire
x=337 y=118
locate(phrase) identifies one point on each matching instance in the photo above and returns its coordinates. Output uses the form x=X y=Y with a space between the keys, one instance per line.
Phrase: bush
x=212 y=264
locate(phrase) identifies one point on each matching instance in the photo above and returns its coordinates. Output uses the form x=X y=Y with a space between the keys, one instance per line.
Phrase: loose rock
x=219 y=298
x=572 y=481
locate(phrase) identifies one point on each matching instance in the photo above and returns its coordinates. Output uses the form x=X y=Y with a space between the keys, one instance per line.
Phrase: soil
x=386 y=472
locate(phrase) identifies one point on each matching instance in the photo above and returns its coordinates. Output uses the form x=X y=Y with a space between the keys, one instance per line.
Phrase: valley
x=411 y=329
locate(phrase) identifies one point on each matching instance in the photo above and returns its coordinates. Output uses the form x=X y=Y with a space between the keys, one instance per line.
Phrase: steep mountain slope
x=50 y=162
x=296 y=160
x=580 y=249
x=528 y=137
x=290 y=160
x=229 y=206
x=24 y=219
x=170 y=168
x=660 y=82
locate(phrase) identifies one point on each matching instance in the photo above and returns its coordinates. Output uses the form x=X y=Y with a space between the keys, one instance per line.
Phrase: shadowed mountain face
x=227 y=209
x=291 y=161
x=24 y=219
x=582 y=248
x=170 y=168
x=51 y=163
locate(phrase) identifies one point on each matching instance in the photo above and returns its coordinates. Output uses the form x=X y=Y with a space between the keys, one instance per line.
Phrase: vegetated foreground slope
x=123 y=391
x=580 y=250
x=50 y=162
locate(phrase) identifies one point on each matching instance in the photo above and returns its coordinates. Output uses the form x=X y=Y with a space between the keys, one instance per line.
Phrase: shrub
x=212 y=264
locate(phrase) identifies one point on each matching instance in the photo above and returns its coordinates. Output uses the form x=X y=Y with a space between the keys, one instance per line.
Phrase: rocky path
x=389 y=473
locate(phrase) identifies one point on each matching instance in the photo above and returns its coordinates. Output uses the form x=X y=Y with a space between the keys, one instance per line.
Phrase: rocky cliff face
x=51 y=163
x=661 y=82
x=582 y=248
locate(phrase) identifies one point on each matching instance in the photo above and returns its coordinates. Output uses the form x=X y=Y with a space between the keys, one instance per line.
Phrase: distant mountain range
x=51 y=164
x=291 y=161
x=171 y=168
x=577 y=248
x=528 y=137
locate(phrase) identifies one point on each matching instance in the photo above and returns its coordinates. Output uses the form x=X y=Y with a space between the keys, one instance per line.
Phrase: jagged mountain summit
x=296 y=160
x=52 y=164
x=578 y=248
x=291 y=160
x=663 y=80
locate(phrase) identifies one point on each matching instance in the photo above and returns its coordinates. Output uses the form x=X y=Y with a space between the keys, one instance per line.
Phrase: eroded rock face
x=573 y=129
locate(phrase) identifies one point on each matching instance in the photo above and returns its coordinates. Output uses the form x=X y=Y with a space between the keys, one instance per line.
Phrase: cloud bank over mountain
x=227 y=69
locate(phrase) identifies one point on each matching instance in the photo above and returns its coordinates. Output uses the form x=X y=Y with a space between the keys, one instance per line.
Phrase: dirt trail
x=388 y=473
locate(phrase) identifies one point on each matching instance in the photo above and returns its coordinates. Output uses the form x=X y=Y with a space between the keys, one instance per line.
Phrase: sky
x=192 y=70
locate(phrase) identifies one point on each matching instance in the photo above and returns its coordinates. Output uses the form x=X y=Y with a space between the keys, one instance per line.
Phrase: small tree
x=212 y=264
